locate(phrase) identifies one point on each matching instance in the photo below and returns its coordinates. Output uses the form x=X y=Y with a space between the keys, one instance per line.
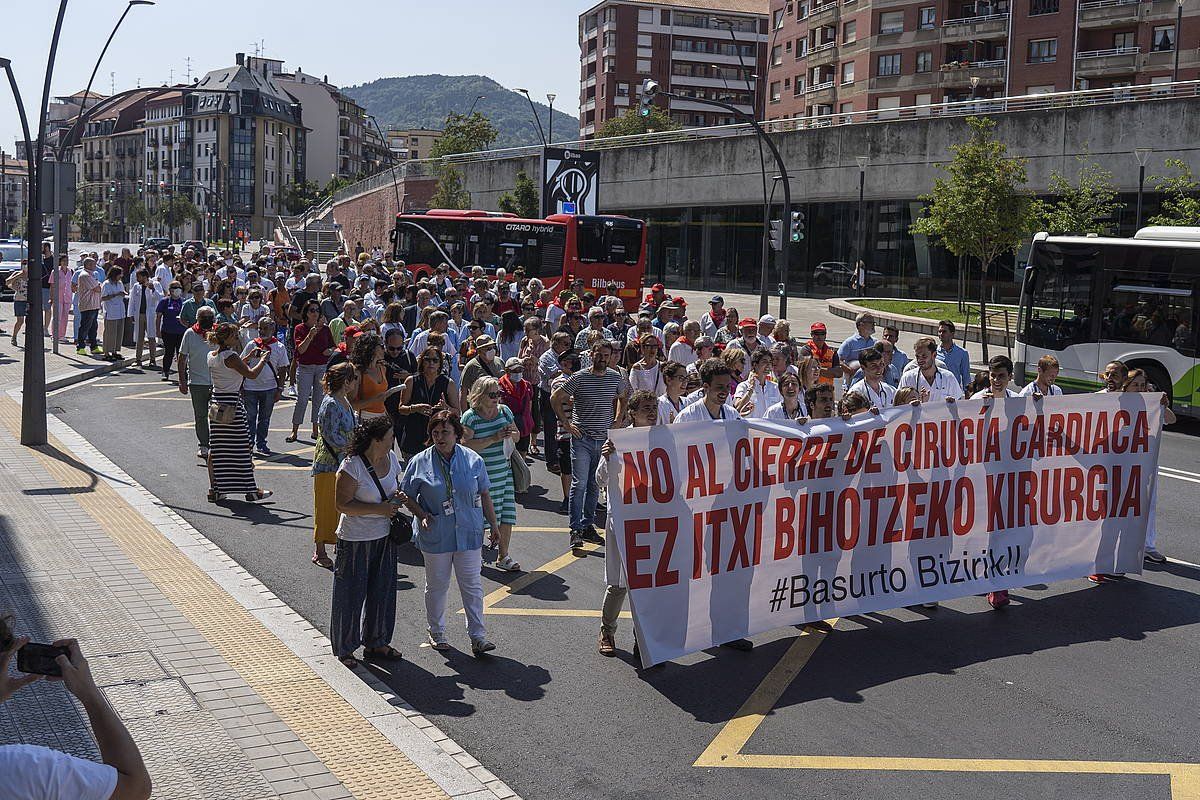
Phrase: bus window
x=608 y=241
x=1060 y=312
x=417 y=246
x=625 y=244
x=1152 y=312
x=590 y=240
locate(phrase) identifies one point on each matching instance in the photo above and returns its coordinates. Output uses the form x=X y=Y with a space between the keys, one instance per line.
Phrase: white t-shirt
x=666 y=411
x=266 y=379
x=944 y=384
x=1031 y=388
x=777 y=411
x=38 y=773
x=365 y=529
x=683 y=353
x=765 y=395
x=650 y=380
x=699 y=411
x=985 y=393
x=884 y=398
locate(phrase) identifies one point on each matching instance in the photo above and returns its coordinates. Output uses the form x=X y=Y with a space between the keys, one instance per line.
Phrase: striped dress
x=229 y=445
x=499 y=471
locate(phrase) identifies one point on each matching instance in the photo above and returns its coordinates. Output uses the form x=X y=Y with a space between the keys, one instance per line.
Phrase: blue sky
x=518 y=43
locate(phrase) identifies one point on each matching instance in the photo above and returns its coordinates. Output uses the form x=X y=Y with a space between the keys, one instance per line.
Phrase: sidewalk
x=227 y=691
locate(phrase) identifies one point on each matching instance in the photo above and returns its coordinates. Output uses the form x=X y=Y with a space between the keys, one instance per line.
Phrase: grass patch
x=937 y=310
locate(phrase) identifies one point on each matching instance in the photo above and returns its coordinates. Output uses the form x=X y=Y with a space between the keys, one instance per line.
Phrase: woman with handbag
x=489 y=426
x=230 y=468
x=335 y=422
x=364 y=580
x=447 y=490
x=425 y=392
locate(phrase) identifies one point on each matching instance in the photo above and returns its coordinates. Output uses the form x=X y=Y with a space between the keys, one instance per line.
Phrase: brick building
x=703 y=49
x=855 y=55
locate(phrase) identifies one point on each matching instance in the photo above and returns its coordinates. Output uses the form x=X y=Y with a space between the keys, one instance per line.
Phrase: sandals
x=259 y=496
x=387 y=653
x=507 y=564
x=349 y=662
x=323 y=561
x=291 y=438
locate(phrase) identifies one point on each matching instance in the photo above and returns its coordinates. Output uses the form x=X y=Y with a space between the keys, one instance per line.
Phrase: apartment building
x=838 y=56
x=412 y=144
x=14 y=192
x=700 y=49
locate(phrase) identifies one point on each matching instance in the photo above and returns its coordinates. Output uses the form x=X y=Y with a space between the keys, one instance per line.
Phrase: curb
x=71 y=378
x=922 y=325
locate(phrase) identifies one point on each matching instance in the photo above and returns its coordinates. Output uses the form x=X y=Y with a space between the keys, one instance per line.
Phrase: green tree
x=18 y=228
x=979 y=209
x=89 y=215
x=177 y=209
x=451 y=190
x=524 y=200
x=1086 y=206
x=464 y=134
x=299 y=195
x=1180 y=203
x=631 y=123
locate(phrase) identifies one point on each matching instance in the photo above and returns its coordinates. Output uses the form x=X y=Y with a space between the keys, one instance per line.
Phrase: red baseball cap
x=351 y=331
x=658 y=287
x=818 y=326
x=748 y=322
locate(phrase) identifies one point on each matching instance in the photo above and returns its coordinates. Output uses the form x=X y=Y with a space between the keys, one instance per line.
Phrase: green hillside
x=423 y=101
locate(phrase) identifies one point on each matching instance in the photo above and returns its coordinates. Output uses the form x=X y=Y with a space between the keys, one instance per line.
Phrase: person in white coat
x=144 y=297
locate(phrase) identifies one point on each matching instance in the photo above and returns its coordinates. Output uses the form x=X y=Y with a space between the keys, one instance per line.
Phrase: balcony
x=823 y=93
x=823 y=53
x=1108 y=13
x=152 y=141
x=823 y=14
x=1101 y=63
x=991 y=26
x=920 y=81
x=959 y=75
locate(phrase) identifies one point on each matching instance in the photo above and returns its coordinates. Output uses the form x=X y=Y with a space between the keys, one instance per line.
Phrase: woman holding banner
x=1137 y=382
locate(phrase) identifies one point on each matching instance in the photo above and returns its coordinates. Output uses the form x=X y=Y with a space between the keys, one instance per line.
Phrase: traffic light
x=649 y=90
x=777 y=235
x=112 y=187
x=141 y=186
x=797 y=226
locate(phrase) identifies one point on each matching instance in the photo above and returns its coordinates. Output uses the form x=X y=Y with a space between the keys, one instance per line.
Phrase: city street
x=1075 y=690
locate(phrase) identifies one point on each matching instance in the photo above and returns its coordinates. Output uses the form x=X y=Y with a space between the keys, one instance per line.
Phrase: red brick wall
x=369 y=218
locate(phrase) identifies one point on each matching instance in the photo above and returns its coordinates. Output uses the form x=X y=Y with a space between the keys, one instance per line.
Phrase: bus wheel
x=1157 y=377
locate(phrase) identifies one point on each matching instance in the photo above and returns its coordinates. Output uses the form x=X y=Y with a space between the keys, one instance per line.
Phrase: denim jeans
x=585 y=457
x=87 y=328
x=259 y=404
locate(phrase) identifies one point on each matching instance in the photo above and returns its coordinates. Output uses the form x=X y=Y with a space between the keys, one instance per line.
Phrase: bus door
x=1059 y=317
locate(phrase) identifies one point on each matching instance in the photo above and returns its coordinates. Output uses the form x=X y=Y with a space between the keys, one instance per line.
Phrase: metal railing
x=1112 y=51
x=426 y=168
x=974 y=20
x=1089 y=4
x=817 y=87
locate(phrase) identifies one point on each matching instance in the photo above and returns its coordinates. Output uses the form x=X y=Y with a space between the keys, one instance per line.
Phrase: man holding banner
x=737 y=528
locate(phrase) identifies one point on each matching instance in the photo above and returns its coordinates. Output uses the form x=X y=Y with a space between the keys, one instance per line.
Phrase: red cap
x=748 y=322
x=658 y=287
x=351 y=331
x=818 y=326
x=680 y=301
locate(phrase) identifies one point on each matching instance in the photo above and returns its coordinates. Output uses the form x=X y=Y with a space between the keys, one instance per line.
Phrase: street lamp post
x=550 y=127
x=862 y=224
x=1142 y=154
x=391 y=165
x=469 y=113
x=1178 y=38
x=536 y=118
x=974 y=86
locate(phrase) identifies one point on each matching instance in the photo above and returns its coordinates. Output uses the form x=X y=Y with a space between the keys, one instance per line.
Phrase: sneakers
x=1154 y=557
x=438 y=641
x=97 y=351
x=81 y=351
x=592 y=535
x=507 y=564
x=606 y=645
x=576 y=539
x=481 y=646
x=929 y=605
x=1105 y=578
x=263 y=450
x=202 y=454
x=998 y=599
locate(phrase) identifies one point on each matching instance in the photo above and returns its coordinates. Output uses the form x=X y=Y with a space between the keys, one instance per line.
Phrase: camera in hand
x=39 y=659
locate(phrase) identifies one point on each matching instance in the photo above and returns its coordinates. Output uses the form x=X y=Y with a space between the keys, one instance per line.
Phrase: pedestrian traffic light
x=777 y=235
x=112 y=187
x=649 y=90
x=141 y=186
x=797 y=226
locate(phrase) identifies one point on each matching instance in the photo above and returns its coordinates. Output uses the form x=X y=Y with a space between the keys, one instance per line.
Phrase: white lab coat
x=150 y=296
x=163 y=277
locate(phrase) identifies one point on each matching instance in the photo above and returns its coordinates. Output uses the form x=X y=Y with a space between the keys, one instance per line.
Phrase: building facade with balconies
x=698 y=49
x=14 y=192
x=840 y=56
x=412 y=144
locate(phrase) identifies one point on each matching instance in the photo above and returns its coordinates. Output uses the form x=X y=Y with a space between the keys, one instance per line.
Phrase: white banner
x=729 y=529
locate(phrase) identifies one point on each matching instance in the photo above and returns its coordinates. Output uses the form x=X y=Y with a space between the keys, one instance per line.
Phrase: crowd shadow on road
x=446 y=694
x=884 y=649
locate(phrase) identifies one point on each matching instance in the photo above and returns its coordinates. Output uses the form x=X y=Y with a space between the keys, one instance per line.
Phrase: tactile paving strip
x=349 y=746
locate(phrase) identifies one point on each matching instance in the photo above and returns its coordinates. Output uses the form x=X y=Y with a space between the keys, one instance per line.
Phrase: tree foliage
x=1180 y=202
x=299 y=195
x=451 y=189
x=18 y=228
x=176 y=209
x=1086 y=206
x=632 y=123
x=88 y=216
x=137 y=214
x=464 y=134
x=524 y=200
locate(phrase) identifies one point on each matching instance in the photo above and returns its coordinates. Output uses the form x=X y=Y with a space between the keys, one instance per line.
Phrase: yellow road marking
x=549 y=568
x=540 y=530
x=548 y=612
x=726 y=749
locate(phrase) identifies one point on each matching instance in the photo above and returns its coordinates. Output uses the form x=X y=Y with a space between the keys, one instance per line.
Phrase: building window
x=849 y=32
x=1042 y=51
x=927 y=18
x=891 y=22
x=848 y=72
x=1124 y=40
x=1037 y=7
x=643 y=66
x=779 y=18
x=1163 y=38
x=846 y=108
x=924 y=61
x=776 y=56
x=885 y=106
x=802 y=47
x=775 y=91
x=610 y=39
x=622 y=90
x=645 y=40
x=1045 y=89
x=798 y=86
x=889 y=65
x=645 y=16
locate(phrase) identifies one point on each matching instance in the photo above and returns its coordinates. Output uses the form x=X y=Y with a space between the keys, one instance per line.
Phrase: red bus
x=557 y=250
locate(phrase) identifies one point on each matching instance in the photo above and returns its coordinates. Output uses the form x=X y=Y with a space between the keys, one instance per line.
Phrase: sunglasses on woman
x=493 y=395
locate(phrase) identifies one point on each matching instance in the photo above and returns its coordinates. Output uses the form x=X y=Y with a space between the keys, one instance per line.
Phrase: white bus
x=1090 y=300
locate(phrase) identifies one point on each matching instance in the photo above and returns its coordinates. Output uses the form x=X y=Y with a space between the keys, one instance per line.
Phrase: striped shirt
x=594 y=397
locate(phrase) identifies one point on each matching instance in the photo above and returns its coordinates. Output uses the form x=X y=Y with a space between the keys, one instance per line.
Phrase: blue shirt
x=425 y=482
x=849 y=349
x=899 y=361
x=958 y=362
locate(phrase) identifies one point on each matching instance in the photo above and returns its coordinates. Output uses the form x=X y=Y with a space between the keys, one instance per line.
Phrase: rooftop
x=762 y=7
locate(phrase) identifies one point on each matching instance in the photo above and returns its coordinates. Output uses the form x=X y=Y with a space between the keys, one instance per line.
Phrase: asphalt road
x=1070 y=673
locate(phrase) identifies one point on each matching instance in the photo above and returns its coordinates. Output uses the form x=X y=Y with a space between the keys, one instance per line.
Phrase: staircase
x=322 y=236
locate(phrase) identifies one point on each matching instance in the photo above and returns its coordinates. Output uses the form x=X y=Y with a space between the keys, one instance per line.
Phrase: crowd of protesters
x=428 y=396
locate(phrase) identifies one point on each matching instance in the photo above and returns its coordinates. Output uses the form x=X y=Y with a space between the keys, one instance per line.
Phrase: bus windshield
x=609 y=241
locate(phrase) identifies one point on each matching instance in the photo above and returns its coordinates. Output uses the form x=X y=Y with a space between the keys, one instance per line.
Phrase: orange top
x=368 y=387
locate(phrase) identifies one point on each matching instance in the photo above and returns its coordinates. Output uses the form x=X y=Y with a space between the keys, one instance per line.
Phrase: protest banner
x=727 y=529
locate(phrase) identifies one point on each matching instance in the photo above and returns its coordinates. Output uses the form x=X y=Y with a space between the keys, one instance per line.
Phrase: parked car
x=200 y=247
x=839 y=273
x=11 y=253
x=156 y=243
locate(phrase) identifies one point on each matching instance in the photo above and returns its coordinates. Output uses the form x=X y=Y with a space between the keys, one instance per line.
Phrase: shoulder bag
x=400 y=526
x=222 y=413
